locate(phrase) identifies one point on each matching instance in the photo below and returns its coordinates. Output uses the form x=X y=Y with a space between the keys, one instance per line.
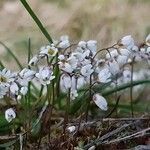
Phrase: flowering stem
x=36 y=19
x=89 y=100
x=66 y=118
x=131 y=87
x=51 y=110
x=29 y=84
x=107 y=49
x=79 y=102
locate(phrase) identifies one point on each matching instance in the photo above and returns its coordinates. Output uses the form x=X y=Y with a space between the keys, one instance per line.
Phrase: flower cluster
x=79 y=65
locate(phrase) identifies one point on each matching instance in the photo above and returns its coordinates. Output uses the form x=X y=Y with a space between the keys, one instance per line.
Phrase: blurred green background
x=103 y=20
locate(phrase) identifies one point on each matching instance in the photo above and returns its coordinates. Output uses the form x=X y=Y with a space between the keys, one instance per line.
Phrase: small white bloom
x=82 y=44
x=135 y=49
x=147 y=41
x=3 y=91
x=49 y=50
x=92 y=148
x=73 y=61
x=122 y=60
x=19 y=97
x=80 y=56
x=61 y=57
x=124 y=52
x=104 y=75
x=73 y=93
x=64 y=42
x=33 y=61
x=65 y=67
x=112 y=54
x=127 y=75
x=113 y=67
x=14 y=88
x=24 y=90
x=92 y=46
x=127 y=41
x=65 y=82
x=87 y=70
x=45 y=75
x=6 y=77
x=100 y=101
x=148 y=50
x=71 y=129
x=10 y=114
x=80 y=82
x=27 y=74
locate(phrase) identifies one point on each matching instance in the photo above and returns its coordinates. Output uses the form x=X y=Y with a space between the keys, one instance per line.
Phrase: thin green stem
x=81 y=99
x=36 y=19
x=29 y=84
x=131 y=88
x=66 y=117
x=89 y=100
x=51 y=110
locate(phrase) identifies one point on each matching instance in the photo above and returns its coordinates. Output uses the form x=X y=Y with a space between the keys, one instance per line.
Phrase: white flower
x=45 y=75
x=71 y=129
x=92 y=46
x=80 y=56
x=100 y=101
x=104 y=75
x=3 y=91
x=14 y=88
x=10 y=114
x=122 y=60
x=127 y=41
x=113 y=67
x=73 y=61
x=6 y=77
x=112 y=54
x=92 y=148
x=127 y=75
x=80 y=82
x=65 y=82
x=148 y=50
x=49 y=50
x=124 y=52
x=65 y=67
x=82 y=44
x=87 y=70
x=135 y=49
x=24 y=90
x=147 y=41
x=33 y=61
x=64 y=42
x=73 y=94
x=61 y=57
x=27 y=74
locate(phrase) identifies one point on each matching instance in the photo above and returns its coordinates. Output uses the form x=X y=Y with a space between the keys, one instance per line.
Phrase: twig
x=108 y=120
x=135 y=135
x=106 y=136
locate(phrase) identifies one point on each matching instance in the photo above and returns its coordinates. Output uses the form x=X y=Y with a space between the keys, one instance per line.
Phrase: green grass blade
x=1 y=65
x=124 y=86
x=36 y=19
x=82 y=98
x=13 y=55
